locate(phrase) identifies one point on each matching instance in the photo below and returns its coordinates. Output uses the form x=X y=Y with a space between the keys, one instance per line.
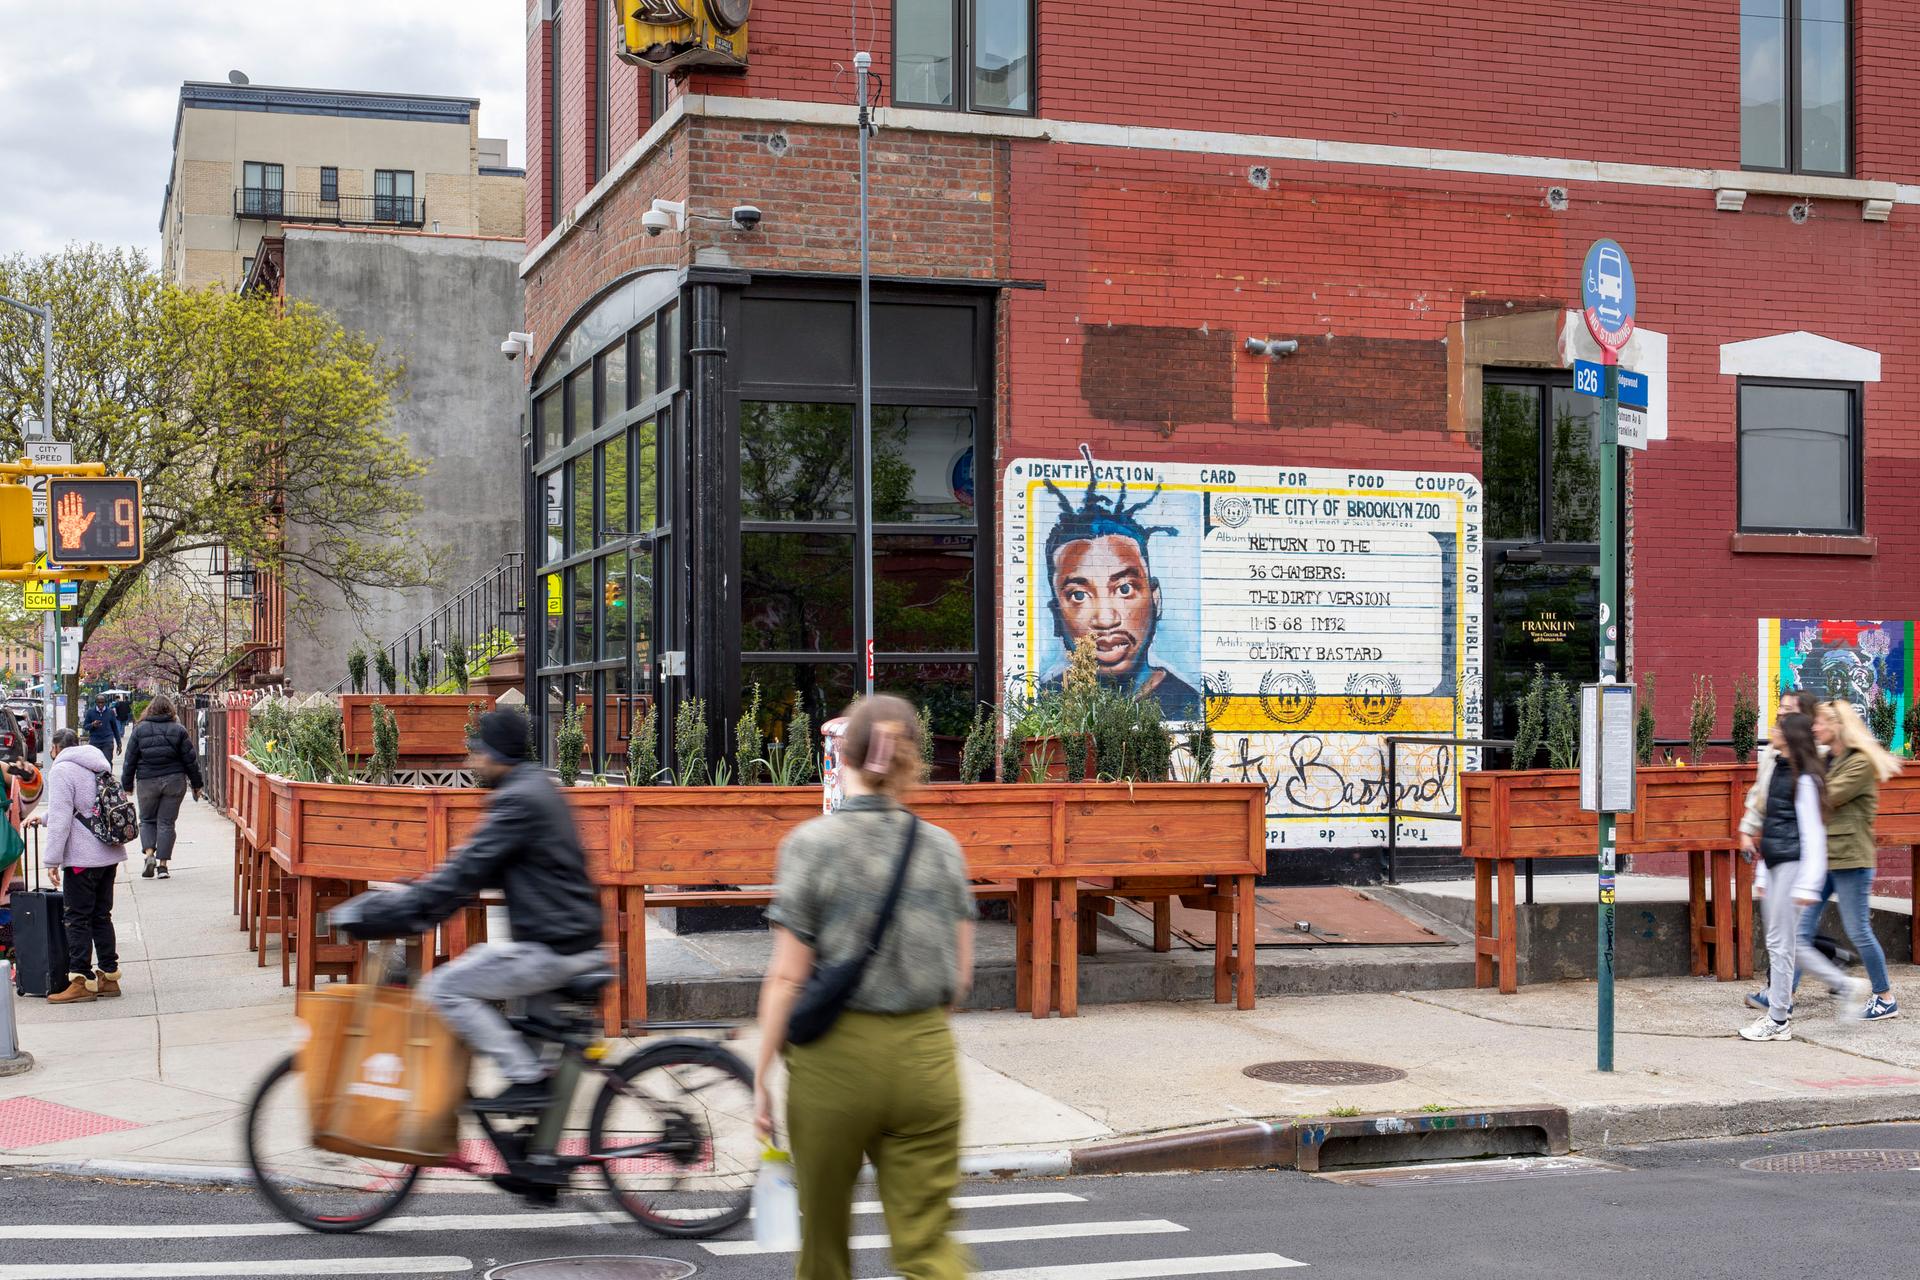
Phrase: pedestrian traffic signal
x=96 y=520
x=16 y=526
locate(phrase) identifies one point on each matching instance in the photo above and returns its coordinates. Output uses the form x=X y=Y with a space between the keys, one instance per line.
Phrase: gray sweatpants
x=465 y=992
x=1783 y=944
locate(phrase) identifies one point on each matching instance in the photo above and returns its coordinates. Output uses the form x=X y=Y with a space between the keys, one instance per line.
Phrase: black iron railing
x=488 y=618
x=311 y=206
x=1424 y=791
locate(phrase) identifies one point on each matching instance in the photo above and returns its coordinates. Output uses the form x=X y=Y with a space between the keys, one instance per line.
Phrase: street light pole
x=863 y=495
x=50 y=628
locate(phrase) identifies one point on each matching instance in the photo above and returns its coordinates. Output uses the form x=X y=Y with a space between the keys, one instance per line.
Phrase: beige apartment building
x=249 y=160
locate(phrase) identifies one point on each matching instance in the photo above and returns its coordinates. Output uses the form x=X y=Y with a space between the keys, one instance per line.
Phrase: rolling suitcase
x=39 y=934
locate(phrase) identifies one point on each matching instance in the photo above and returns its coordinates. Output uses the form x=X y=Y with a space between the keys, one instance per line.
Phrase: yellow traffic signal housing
x=16 y=527
x=664 y=34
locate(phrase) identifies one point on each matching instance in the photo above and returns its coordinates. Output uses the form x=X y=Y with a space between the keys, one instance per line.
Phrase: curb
x=139 y=1171
x=1599 y=1125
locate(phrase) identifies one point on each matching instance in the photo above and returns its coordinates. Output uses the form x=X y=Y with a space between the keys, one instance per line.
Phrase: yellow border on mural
x=1032 y=674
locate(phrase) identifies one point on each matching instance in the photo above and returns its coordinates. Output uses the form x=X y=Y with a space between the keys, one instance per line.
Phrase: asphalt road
x=1682 y=1210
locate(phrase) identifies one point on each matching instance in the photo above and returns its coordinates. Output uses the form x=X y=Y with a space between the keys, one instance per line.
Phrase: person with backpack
x=158 y=768
x=84 y=810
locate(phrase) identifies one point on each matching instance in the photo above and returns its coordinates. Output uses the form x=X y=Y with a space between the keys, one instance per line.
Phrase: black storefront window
x=603 y=403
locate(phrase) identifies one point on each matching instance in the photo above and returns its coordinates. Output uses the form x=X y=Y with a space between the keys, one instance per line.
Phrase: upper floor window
x=262 y=185
x=393 y=195
x=964 y=55
x=1796 y=86
x=1800 y=457
x=329 y=183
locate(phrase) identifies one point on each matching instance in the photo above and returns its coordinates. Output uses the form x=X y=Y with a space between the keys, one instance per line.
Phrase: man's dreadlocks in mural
x=1103 y=586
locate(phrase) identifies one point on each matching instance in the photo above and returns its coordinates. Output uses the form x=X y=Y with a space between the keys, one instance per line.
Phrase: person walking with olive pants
x=883 y=1083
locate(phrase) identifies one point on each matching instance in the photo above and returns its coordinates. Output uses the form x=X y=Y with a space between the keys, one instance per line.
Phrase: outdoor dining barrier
x=311 y=843
x=1510 y=816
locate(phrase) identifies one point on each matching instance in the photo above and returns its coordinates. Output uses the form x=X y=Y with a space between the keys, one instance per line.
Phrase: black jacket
x=528 y=847
x=102 y=729
x=160 y=749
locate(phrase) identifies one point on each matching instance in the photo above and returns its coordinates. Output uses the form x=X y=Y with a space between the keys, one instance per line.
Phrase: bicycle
x=698 y=1139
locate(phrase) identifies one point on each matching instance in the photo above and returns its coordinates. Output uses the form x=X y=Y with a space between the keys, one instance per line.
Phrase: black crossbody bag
x=831 y=986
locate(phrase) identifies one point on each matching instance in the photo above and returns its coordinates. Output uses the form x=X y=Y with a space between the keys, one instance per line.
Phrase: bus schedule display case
x=96 y=520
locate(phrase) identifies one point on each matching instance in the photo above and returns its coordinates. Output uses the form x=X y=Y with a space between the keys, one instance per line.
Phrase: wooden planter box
x=433 y=726
x=1535 y=813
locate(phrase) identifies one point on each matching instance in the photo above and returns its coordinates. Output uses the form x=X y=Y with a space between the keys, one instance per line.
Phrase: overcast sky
x=88 y=90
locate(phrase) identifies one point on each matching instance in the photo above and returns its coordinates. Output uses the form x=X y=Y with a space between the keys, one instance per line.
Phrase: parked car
x=32 y=717
x=14 y=741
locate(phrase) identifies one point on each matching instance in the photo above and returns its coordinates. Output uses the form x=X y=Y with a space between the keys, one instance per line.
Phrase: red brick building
x=1081 y=216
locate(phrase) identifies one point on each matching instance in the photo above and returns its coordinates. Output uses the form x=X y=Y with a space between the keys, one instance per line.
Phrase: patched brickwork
x=1389 y=384
x=1150 y=373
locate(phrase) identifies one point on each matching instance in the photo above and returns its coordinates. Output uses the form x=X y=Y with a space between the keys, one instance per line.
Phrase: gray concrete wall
x=442 y=304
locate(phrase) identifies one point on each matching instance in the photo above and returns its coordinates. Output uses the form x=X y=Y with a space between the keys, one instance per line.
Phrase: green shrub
x=1703 y=714
x=357 y=668
x=1643 y=729
x=456 y=665
x=386 y=746
x=749 y=746
x=690 y=743
x=383 y=667
x=1563 y=725
x=422 y=671
x=1744 y=718
x=570 y=744
x=1530 y=719
x=980 y=747
x=1883 y=717
x=643 y=750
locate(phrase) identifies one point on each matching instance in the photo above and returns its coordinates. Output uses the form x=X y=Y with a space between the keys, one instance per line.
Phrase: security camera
x=746 y=217
x=655 y=221
x=517 y=344
x=665 y=215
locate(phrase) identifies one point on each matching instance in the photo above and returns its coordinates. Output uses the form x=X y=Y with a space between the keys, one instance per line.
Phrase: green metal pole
x=1609 y=671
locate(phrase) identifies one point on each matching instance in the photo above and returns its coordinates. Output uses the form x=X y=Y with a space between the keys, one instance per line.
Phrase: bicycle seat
x=589 y=984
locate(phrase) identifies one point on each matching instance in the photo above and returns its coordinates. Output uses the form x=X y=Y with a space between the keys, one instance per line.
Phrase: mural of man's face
x=1104 y=591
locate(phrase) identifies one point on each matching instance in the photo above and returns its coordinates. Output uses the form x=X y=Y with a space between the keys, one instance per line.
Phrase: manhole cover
x=1309 y=1072
x=1837 y=1162
x=600 y=1268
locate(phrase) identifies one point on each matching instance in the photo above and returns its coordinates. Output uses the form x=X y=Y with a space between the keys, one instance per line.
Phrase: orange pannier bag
x=385 y=1076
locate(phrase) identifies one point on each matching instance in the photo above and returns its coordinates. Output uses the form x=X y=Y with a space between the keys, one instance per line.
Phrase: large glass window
x=261 y=188
x=393 y=196
x=796 y=461
x=1796 y=86
x=966 y=55
x=601 y=415
x=1800 y=457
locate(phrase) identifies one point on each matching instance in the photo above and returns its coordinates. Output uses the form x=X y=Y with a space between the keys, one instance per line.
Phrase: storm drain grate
x=1426 y=1175
x=1308 y=1071
x=597 y=1268
x=1837 y=1162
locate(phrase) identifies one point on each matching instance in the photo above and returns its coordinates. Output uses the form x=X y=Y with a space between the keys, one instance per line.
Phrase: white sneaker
x=1767 y=1029
x=1854 y=1000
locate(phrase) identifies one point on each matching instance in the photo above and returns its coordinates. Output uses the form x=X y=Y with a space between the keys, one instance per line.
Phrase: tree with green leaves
x=259 y=426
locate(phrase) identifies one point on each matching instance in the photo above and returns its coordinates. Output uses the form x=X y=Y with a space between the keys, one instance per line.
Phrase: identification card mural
x=1305 y=612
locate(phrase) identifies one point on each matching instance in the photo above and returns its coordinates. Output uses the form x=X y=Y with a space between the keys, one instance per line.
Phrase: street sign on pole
x=1607 y=297
x=1633 y=409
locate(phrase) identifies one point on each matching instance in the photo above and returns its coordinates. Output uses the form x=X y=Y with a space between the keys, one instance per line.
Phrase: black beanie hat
x=503 y=735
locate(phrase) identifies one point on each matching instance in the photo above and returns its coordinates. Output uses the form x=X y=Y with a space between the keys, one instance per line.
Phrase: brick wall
x=539 y=204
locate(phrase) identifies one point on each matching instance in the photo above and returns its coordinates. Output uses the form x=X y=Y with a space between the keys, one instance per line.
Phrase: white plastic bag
x=776 y=1202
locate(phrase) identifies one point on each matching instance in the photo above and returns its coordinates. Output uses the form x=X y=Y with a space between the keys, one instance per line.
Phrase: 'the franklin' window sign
x=663 y=34
x=96 y=520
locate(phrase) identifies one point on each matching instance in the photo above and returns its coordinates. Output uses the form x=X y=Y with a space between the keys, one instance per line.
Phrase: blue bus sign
x=1589 y=379
x=1607 y=295
x=1633 y=390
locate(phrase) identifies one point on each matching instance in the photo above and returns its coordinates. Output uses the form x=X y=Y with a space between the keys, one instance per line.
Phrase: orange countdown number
x=128 y=521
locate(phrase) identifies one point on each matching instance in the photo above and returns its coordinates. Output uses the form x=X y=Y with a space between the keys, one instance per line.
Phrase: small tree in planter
x=1563 y=725
x=1704 y=713
x=643 y=750
x=1744 y=719
x=1883 y=717
x=749 y=745
x=570 y=744
x=791 y=763
x=977 y=752
x=385 y=761
x=690 y=743
x=422 y=672
x=1643 y=728
x=1199 y=746
x=1530 y=719
x=926 y=744
x=383 y=667
x=1913 y=727
x=457 y=665
x=357 y=668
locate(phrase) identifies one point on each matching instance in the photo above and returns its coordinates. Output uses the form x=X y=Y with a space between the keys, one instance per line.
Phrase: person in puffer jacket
x=84 y=867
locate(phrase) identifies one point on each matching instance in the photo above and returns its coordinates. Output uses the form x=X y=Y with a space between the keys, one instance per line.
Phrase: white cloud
x=88 y=89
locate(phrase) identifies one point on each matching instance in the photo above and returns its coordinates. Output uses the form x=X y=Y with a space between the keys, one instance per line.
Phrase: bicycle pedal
x=535 y=1192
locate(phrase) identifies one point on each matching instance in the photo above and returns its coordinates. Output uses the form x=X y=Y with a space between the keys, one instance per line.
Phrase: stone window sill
x=1803 y=544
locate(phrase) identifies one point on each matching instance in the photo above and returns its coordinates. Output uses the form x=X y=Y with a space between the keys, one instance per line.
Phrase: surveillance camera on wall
x=517 y=344
x=655 y=221
x=665 y=215
x=746 y=217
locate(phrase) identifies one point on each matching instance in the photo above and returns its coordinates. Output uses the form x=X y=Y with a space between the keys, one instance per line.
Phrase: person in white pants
x=1793 y=849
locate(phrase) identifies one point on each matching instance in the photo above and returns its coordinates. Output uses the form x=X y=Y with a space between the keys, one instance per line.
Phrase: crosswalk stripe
x=1145 y=1268
x=439 y=1222
x=987 y=1235
x=265 y=1267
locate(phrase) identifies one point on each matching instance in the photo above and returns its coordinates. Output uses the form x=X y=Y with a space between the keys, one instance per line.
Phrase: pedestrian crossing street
x=1014 y=1235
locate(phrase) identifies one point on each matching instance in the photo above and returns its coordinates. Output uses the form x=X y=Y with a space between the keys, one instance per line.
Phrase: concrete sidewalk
x=158 y=1079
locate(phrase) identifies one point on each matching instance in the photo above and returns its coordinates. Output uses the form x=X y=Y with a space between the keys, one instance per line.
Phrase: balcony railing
x=309 y=206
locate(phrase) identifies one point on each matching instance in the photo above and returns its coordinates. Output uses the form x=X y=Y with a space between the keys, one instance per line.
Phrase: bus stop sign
x=1607 y=296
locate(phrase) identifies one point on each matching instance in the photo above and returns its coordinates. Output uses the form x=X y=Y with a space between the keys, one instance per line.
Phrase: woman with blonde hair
x=1856 y=766
x=873 y=941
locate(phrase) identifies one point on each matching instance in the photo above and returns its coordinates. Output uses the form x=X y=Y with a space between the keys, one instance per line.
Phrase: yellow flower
x=271 y=742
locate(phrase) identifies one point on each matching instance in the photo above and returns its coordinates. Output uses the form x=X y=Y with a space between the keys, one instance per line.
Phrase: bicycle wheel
x=672 y=1133
x=319 y=1190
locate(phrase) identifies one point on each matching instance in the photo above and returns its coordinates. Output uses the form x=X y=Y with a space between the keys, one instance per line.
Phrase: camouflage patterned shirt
x=834 y=873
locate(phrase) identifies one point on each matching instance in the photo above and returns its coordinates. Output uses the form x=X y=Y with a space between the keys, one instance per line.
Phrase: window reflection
x=613 y=381
x=581 y=496
x=581 y=602
x=1002 y=55
x=552 y=424
x=580 y=394
x=1576 y=467
x=640 y=614
x=1510 y=461
x=554 y=490
x=796 y=461
x=645 y=448
x=945 y=690
x=614 y=607
x=820 y=689
x=923 y=464
x=923 y=52
x=614 y=488
x=923 y=593
x=796 y=592
x=553 y=601
x=646 y=369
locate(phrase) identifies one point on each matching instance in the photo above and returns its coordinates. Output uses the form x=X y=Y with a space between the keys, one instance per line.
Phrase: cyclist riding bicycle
x=528 y=848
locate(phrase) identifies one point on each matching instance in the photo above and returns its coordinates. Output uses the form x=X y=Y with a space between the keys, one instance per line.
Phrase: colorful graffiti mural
x=1834 y=658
